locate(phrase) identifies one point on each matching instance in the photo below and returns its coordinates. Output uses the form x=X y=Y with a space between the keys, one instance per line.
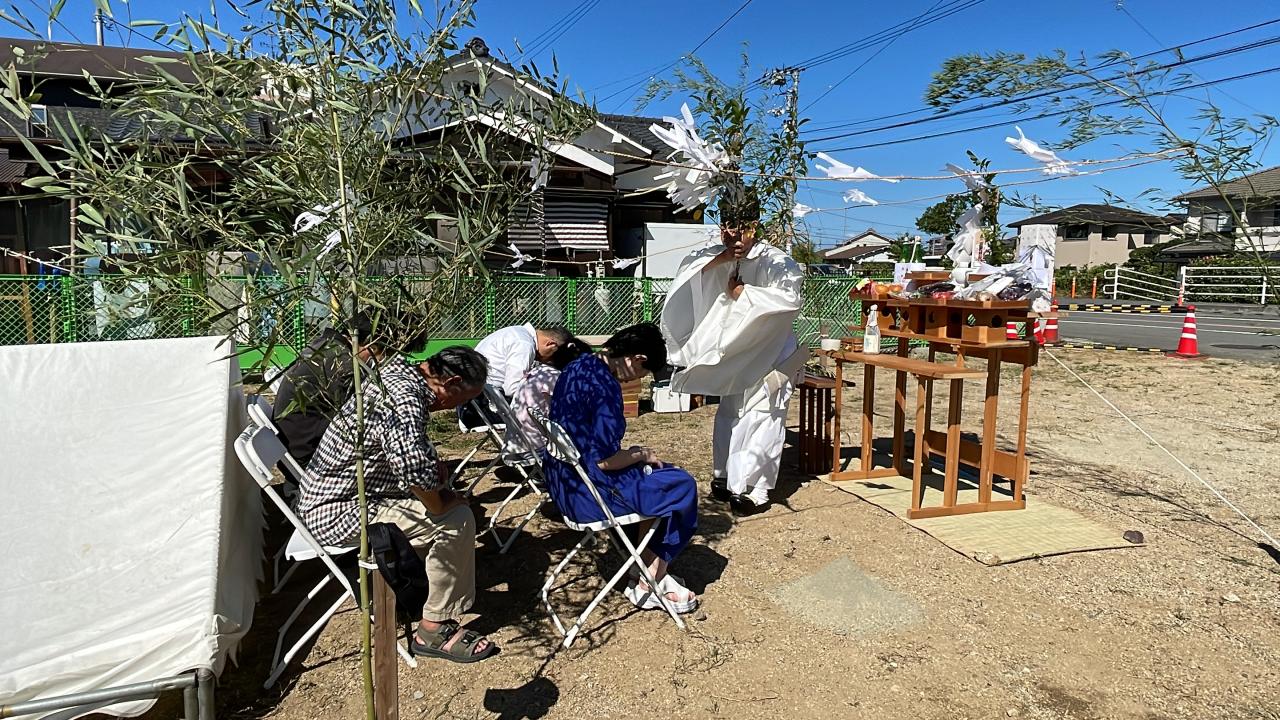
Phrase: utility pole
x=97 y=26
x=789 y=77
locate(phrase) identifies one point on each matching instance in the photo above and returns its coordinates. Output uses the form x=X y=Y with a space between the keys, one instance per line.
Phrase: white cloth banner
x=132 y=537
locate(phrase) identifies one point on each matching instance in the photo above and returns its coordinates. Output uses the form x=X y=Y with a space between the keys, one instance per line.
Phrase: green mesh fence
x=90 y=308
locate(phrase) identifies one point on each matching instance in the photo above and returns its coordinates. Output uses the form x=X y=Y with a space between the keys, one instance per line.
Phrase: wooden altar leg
x=868 y=412
x=386 y=701
x=928 y=407
x=804 y=447
x=839 y=403
x=921 y=455
x=1024 y=468
x=900 y=413
x=990 y=406
x=825 y=408
x=952 y=488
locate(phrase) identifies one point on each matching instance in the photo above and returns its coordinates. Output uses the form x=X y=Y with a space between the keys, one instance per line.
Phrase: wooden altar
x=967 y=330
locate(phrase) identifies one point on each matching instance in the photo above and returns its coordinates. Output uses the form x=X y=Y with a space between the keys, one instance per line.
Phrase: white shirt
x=510 y=352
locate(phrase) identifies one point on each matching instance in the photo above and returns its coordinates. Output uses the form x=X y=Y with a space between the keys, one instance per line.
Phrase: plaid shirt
x=397 y=453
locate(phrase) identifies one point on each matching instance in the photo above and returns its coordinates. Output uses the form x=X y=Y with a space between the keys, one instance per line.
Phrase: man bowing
x=728 y=322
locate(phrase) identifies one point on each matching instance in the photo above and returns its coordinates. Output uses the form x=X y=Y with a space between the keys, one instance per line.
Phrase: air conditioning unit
x=38 y=123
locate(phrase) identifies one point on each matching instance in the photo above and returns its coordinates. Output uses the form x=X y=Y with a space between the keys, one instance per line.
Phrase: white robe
x=743 y=351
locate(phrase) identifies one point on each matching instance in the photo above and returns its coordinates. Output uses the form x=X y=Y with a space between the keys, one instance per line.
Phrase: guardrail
x=1228 y=284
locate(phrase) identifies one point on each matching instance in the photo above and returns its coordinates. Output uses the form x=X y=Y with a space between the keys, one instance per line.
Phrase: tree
x=940 y=218
x=307 y=109
x=765 y=152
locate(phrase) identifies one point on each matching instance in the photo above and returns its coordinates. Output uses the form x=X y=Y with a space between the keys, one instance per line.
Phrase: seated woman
x=525 y=442
x=587 y=403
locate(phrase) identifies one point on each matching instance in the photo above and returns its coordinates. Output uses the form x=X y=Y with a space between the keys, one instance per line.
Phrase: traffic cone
x=1188 y=346
x=1011 y=330
x=1039 y=334
x=1051 y=326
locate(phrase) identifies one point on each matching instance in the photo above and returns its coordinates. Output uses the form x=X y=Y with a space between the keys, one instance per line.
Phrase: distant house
x=1212 y=228
x=60 y=73
x=1101 y=234
x=599 y=202
x=867 y=246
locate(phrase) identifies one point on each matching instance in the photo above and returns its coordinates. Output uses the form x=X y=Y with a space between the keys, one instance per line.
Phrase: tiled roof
x=56 y=59
x=11 y=173
x=1262 y=184
x=1097 y=215
x=637 y=128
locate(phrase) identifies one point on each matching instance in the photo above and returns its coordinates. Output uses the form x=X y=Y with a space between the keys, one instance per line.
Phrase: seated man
x=316 y=385
x=403 y=485
x=512 y=352
x=524 y=444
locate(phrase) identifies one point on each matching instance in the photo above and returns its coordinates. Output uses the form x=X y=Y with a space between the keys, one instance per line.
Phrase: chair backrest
x=260 y=413
x=562 y=448
x=259 y=450
x=272 y=377
x=503 y=409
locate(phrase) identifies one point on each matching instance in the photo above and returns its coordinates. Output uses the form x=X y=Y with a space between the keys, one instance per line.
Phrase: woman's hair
x=460 y=362
x=569 y=350
x=641 y=339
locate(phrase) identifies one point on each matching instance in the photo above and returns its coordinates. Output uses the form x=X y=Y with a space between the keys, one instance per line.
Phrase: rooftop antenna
x=97 y=25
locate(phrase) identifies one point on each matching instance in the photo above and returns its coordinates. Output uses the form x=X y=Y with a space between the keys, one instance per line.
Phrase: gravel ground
x=897 y=625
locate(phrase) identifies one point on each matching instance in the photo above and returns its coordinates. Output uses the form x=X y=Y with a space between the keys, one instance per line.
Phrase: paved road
x=1230 y=332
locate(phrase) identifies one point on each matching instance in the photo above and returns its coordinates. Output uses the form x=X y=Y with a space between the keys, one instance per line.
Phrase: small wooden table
x=966 y=329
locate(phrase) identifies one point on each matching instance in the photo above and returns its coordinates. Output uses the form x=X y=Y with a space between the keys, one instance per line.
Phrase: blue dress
x=587 y=403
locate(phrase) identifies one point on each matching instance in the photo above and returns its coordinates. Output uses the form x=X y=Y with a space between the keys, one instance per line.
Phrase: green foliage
x=803 y=252
x=940 y=218
x=768 y=153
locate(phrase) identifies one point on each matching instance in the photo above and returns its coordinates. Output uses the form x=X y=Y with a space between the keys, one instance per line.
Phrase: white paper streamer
x=857 y=196
x=839 y=171
x=1054 y=165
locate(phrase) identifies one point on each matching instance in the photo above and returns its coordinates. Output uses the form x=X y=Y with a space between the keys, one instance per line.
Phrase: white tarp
x=132 y=537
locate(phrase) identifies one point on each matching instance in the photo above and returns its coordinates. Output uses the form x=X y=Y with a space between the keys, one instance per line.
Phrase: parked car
x=825 y=269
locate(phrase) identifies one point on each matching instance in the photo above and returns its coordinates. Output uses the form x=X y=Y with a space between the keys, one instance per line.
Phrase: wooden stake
x=386 y=682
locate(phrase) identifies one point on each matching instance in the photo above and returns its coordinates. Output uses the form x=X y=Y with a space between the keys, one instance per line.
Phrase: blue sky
x=614 y=40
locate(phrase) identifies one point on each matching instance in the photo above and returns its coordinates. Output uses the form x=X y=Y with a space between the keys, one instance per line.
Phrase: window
x=1110 y=232
x=1216 y=221
x=1075 y=232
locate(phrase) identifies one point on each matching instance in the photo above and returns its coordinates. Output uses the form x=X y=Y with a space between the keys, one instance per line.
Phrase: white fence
x=1231 y=284
x=1123 y=283
x=1250 y=284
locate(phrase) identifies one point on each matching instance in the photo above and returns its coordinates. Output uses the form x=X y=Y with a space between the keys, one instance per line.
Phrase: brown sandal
x=462 y=650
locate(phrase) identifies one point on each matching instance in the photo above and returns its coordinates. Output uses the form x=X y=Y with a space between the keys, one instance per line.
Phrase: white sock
x=759 y=495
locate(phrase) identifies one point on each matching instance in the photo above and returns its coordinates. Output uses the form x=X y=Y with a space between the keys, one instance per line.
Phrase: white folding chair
x=492 y=430
x=611 y=526
x=260 y=415
x=259 y=450
x=526 y=464
x=272 y=377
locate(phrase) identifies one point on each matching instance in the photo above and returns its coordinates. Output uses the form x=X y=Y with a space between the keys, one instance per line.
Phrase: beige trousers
x=447 y=543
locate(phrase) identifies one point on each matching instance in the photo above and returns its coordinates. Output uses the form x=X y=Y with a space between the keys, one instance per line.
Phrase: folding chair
x=492 y=430
x=612 y=526
x=527 y=465
x=259 y=450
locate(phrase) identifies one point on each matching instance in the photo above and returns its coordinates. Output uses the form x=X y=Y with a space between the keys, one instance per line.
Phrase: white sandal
x=646 y=599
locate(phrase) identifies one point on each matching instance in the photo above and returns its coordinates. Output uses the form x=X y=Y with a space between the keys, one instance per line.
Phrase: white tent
x=133 y=538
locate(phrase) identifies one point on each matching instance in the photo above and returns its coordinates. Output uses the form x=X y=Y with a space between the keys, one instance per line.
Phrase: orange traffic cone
x=1039 y=334
x=1188 y=346
x=1051 y=326
x=1011 y=330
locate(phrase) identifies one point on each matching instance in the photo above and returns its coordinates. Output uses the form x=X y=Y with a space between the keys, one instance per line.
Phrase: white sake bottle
x=871 y=338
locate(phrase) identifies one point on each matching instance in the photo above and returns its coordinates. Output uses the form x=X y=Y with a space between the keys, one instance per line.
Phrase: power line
x=1110 y=63
x=1047 y=93
x=873 y=56
x=673 y=63
x=1158 y=41
x=547 y=37
x=1058 y=113
x=880 y=36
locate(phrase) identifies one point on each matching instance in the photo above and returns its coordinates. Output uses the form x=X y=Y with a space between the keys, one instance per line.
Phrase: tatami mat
x=991 y=538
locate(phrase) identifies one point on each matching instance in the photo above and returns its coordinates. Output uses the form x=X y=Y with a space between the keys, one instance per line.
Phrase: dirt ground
x=1183 y=627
